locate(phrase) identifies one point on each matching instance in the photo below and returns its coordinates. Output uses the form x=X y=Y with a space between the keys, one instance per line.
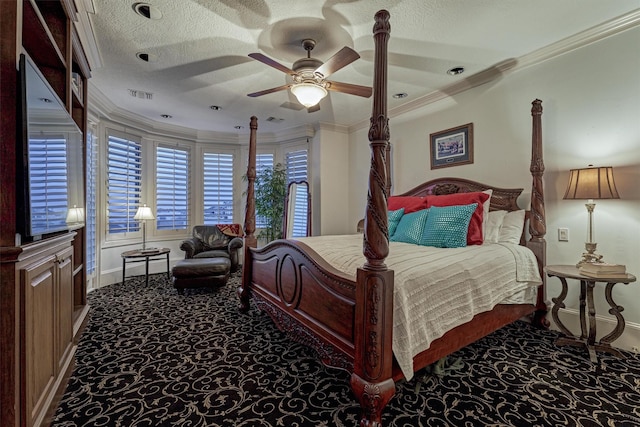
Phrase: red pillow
x=474 y=234
x=409 y=203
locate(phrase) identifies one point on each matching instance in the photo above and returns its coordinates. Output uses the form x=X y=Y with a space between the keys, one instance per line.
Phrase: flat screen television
x=50 y=160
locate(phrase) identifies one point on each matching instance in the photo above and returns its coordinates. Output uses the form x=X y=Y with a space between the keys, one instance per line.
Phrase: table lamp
x=143 y=214
x=75 y=215
x=591 y=183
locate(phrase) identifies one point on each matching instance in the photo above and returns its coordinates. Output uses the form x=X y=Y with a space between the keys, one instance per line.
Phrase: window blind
x=124 y=182
x=297 y=171
x=218 y=188
x=90 y=213
x=172 y=188
x=48 y=183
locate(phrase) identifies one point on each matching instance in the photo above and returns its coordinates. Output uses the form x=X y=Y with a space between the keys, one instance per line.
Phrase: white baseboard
x=114 y=275
x=604 y=325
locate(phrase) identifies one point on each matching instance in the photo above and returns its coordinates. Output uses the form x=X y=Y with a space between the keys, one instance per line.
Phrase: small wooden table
x=588 y=336
x=139 y=255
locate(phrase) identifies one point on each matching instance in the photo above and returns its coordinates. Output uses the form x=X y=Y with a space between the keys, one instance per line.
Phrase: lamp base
x=590 y=257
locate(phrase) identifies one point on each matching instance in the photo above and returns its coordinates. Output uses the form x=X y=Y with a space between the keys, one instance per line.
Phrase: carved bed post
x=250 y=240
x=387 y=162
x=537 y=222
x=371 y=380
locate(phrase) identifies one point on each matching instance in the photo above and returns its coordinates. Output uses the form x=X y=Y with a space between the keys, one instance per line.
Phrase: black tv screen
x=51 y=185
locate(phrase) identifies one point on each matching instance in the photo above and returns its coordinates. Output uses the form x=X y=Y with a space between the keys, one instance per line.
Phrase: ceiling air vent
x=140 y=94
x=275 y=119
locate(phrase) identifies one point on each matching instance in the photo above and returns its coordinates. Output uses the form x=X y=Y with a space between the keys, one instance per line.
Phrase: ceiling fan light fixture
x=308 y=94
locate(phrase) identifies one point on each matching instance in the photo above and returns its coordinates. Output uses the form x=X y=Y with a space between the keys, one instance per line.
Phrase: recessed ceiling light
x=215 y=107
x=148 y=11
x=147 y=57
x=400 y=95
x=239 y=127
x=455 y=71
x=46 y=100
x=166 y=116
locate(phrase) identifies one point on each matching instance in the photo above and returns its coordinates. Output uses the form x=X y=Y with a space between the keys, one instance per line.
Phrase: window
x=296 y=164
x=124 y=168
x=218 y=188
x=48 y=183
x=263 y=161
x=172 y=188
x=92 y=164
x=297 y=171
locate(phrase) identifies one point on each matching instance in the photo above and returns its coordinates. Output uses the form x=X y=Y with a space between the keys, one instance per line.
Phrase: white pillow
x=485 y=213
x=511 y=229
x=494 y=222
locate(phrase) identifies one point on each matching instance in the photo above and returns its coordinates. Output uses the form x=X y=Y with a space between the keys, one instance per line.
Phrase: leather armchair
x=209 y=242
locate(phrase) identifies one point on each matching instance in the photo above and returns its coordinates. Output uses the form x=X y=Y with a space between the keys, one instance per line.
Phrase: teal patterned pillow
x=447 y=226
x=411 y=227
x=394 y=219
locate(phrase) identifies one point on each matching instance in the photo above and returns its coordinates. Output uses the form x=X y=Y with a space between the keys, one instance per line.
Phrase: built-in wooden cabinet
x=43 y=299
x=46 y=287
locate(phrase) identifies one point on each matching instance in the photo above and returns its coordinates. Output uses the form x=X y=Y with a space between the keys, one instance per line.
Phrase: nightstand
x=588 y=336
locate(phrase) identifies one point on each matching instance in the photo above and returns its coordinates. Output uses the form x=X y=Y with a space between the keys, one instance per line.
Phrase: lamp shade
x=144 y=213
x=75 y=215
x=591 y=183
x=308 y=94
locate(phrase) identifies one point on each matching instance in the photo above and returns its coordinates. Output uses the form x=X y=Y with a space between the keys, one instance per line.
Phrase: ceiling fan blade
x=364 y=91
x=313 y=108
x=270 y=62
x=267 y=91
x=342 y=58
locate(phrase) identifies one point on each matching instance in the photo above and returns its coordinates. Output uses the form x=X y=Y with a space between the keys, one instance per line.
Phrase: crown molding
x=582 y=39
x=577 y=41
x=100 y=107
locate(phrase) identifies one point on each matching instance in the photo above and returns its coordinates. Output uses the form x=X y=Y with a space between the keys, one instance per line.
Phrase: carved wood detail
x=329 y=354
x=250 y=240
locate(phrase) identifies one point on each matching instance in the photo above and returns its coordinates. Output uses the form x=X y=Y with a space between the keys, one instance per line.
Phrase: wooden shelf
x=42 y=318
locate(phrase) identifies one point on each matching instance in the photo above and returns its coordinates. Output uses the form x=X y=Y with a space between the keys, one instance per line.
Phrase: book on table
x=602 y=268
x=599 y=275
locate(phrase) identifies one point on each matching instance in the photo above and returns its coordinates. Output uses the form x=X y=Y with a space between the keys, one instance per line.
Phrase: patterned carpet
x=151 y=357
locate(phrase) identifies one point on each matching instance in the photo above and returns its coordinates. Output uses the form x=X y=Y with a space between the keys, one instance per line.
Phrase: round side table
x=588 y=335
x=140 y=255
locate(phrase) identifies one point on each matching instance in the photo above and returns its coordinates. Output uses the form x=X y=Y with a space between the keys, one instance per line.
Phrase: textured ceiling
x=200 y=47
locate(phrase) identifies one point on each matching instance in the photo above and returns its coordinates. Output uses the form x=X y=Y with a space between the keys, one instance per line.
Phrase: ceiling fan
x=309 y=76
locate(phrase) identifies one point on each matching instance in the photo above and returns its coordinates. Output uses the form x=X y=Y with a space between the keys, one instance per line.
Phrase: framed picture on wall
x=452 y=147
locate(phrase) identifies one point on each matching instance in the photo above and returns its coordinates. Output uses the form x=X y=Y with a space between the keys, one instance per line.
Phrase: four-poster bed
x=349 y=318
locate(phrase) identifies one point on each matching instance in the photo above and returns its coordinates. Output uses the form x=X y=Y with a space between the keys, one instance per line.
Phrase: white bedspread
x=439 y=289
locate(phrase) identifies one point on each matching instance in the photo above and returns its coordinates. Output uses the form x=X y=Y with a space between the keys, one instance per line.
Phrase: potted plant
x=270 y=192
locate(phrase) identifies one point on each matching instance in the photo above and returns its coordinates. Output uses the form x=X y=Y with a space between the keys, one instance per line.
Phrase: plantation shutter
x=218 y=188
x=92 y=164
x=172 y=188
x=296 y=165
x=297 y=171
x=124 y=184
x=48 y=183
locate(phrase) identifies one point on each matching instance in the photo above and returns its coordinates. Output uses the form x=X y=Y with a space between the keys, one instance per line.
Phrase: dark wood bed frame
x=349 y=323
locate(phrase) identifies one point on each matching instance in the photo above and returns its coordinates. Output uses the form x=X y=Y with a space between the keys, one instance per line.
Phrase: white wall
x=331 y=148
x=591 y=102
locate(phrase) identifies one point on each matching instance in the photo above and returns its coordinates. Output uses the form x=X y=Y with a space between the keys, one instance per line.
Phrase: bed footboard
x=309 y=300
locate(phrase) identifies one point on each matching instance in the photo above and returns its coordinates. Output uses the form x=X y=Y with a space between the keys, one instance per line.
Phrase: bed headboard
x=501 y=199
